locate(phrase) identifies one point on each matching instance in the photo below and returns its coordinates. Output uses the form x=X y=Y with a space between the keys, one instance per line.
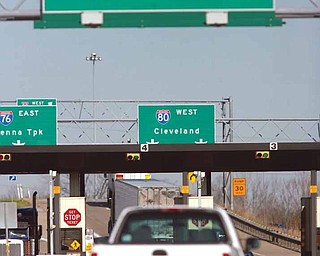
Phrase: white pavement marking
x=96 y=235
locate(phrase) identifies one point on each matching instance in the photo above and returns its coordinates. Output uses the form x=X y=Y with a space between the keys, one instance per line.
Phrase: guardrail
x=265 y=233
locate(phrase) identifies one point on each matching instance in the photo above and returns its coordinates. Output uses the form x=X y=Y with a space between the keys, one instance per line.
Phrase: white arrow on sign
x=12 y=178
x=18 y=143
x=201 y=141
x=152 y=142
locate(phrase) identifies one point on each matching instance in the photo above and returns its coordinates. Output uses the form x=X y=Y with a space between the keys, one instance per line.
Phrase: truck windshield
x=172 y=227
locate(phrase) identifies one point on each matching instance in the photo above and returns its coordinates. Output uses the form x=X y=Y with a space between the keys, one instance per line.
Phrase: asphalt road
x=267 y=249
x=97 y=219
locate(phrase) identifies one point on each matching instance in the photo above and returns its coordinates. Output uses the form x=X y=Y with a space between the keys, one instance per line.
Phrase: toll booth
x=72 y=225
x=306 y=226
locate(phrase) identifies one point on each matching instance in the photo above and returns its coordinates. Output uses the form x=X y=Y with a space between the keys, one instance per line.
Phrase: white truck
x=174 y=230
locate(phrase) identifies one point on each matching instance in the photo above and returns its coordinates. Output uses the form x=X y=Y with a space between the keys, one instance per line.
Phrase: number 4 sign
x=144 y=147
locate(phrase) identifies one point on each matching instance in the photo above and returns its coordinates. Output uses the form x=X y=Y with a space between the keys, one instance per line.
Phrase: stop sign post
x=72 y=217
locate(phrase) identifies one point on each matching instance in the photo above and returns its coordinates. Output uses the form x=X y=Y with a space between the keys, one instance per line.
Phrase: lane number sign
x=273 y=146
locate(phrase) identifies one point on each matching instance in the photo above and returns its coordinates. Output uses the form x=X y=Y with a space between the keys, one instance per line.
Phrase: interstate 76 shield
x=6 y=117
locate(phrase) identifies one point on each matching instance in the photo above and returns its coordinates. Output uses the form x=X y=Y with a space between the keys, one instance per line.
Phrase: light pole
x=93 y=58
x=52 y=177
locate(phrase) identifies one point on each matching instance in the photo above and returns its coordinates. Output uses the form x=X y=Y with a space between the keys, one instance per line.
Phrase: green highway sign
x=176 y=124
x=76 y=6
x=36 y=102
x=28 y=125
x=155 y=13
x=159 y=19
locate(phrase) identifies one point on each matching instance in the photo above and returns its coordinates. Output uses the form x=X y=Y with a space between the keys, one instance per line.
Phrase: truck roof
x=143 y=183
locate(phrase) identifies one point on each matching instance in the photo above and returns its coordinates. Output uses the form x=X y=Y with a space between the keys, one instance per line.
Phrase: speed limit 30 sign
x=239 y=186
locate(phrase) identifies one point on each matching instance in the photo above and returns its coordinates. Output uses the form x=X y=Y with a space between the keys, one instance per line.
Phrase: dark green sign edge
x=159 y=19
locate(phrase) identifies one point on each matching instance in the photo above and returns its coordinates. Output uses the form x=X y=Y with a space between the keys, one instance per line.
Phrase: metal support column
x=224 y=184
x=82 y=184
x=56 y=219
x=199 y=181
x=230 y=136
x=226 y=181
x=185 y=182
x=207 y=179
x=227 y=135
x=314 y=214
x=52 y=176
x=75 y=185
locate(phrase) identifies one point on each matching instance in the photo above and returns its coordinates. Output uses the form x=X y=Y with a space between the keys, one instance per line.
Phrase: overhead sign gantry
x=219 y=157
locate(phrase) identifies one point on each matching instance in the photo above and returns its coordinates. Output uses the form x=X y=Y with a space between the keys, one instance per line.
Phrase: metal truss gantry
x=11 y=10
x=117 y=122
x=114 y=122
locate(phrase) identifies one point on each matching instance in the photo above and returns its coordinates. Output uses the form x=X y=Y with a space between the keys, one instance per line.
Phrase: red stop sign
x=72 y=217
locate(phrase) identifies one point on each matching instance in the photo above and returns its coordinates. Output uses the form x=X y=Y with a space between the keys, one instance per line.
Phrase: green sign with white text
x=28 y=125
x=176 y=124
x=36 y=102
x=69 y=6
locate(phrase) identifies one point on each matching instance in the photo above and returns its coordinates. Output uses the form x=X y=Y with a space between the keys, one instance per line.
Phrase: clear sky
x=269 y=72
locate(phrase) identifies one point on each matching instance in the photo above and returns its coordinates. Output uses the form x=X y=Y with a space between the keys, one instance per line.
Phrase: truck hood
x=166 y=250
